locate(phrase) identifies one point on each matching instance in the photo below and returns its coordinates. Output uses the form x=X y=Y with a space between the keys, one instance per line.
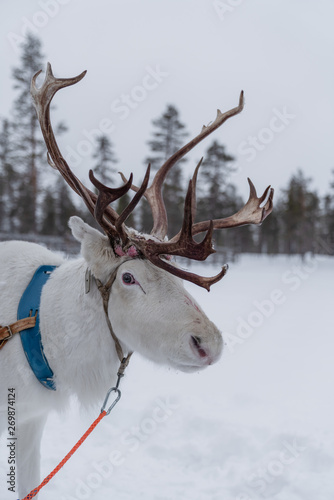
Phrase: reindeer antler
x=154 y=193
x=99 y=206
x=156 y=249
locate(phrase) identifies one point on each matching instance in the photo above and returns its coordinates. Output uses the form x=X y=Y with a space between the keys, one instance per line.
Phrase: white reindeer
x=144 y=306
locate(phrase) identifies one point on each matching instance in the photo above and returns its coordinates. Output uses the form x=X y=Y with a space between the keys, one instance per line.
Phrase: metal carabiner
x=114 y=403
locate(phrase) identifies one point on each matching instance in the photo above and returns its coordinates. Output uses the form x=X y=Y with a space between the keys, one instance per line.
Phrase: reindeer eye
x=128 y=279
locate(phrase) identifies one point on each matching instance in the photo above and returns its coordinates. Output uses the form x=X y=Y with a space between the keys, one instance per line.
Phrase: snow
x=257 y=425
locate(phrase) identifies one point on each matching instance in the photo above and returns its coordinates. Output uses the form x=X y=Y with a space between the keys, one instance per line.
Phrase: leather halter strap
x=6 y=332
x=105 y=291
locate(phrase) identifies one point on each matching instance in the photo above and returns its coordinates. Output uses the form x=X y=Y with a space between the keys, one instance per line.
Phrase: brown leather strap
x=105 y=294
x=6 y=332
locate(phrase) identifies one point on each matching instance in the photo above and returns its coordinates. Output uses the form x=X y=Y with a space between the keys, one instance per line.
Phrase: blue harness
x=31 y=338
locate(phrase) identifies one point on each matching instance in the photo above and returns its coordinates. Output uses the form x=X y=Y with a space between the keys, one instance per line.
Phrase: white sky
x=280 y=52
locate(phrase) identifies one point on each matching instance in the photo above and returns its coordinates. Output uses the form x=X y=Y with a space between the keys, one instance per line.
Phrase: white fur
x=155 y=317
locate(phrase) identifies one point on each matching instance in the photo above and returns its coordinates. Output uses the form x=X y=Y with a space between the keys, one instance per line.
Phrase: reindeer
x=124 y=294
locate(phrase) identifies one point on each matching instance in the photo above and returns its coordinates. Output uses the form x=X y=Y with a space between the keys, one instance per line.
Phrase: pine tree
x=328 y=221
x=218 y=198
x=65 y=206
x=213 y=176
x=168 y=137
x=269 y=233
x=300 y=215
x=48 y=208
x=3 y=162
x=8 y=180
x=29 y=145
x=57 y=207
x=105 y=160
x=237 y=239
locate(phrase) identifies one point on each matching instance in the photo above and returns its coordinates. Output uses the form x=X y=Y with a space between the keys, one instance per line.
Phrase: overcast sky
x=197 y=55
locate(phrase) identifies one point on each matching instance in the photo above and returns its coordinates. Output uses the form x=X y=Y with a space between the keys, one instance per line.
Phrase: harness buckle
x=10 y=333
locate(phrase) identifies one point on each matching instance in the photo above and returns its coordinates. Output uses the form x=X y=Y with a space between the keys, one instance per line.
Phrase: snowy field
x=259 y=424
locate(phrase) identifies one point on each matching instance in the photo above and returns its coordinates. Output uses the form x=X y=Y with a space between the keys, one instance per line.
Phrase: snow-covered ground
x=259 y=424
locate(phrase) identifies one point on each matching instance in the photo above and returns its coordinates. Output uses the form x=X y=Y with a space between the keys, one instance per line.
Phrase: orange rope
x=34 y=492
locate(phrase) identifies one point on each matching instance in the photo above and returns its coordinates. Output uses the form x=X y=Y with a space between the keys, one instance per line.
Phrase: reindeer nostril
x=197 y=343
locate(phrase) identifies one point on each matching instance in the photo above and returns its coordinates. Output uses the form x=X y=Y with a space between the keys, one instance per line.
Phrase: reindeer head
x=150 y=310
x=147 y=258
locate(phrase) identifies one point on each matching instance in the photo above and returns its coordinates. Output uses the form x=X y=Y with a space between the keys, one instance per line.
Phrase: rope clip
x=114 y=403
x=120 y=375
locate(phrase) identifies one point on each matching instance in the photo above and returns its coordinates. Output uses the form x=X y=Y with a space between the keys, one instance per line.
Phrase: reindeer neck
x=75 y=335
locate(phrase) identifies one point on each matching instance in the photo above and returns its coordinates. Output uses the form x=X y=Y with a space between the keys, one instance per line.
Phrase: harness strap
x=6 y=332
x=105 y=294
x=31 y=338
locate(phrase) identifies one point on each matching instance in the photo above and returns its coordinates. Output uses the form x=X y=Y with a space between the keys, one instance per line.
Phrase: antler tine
x=135 y=200
x=158 y=210
x=251 y=213
x=194 y=183
x=204 y=282
x=197 y=251
x=133 y=187
x=154 y=192
x=106 y=196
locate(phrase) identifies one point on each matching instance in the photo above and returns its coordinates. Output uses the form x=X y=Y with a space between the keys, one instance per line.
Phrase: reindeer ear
x=95 y=246
x=81 y=230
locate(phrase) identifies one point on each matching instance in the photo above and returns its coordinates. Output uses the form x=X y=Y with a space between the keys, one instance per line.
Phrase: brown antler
x=154 y=193
x=99 y=206
x=251 y=213
x=156 y=249
x=183 y=243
